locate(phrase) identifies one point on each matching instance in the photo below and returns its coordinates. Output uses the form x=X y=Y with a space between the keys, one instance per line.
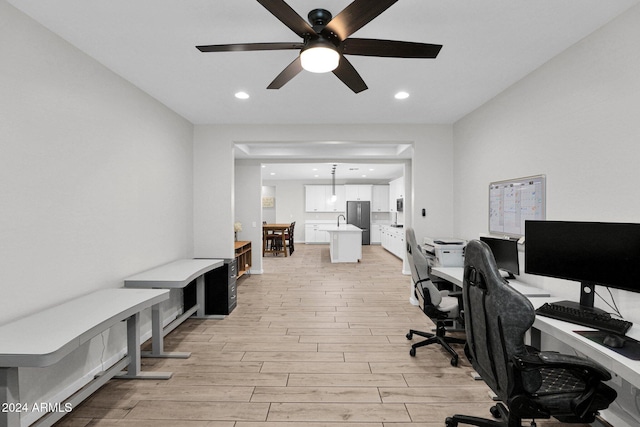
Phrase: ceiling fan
x=325 y=41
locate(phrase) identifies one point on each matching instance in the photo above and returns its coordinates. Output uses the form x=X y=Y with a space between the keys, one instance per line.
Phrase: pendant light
x=333 y=184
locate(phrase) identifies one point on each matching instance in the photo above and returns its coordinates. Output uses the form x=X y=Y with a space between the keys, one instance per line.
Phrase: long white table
x=456 y=274
x=45 y=337
x=175 y=275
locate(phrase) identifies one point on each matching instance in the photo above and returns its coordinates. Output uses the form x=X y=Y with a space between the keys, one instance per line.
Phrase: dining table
x=278 y=230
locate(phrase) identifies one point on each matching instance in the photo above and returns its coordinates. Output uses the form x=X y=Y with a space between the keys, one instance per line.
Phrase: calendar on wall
x=512 y=202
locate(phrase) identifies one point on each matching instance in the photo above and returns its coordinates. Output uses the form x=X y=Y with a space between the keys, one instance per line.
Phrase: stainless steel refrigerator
x=359 y=214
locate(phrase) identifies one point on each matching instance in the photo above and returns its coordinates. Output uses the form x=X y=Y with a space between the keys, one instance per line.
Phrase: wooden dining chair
x=289 y=237
x=272 y=240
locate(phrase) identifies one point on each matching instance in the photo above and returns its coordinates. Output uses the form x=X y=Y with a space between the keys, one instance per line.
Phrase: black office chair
x=436 y=304
x=529 y=383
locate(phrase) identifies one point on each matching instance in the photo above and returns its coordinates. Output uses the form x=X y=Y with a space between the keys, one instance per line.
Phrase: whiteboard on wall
x=514 y=201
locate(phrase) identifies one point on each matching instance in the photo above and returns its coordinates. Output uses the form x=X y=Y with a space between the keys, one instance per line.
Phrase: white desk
x=456 y=274
x=45 y=337
x=563 y=331
x=175 y=275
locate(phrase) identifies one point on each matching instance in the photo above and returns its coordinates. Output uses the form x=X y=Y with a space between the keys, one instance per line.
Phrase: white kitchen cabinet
x=314 y=234
x=380 y=198
x=358 y=192
x=396 y=191
x=376 y=234
x=318 y=198
x=393 y=240
x=337 y=205
x=314 y=198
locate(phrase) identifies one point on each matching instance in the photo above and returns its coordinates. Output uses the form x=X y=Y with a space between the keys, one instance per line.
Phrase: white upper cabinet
x=380 y=199
x=314 y=198
x=358 y=192
x=319 y=198
x=396 y=191
x=338 y=204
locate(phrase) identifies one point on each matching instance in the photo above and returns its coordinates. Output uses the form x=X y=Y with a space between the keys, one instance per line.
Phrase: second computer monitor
x=505 y=252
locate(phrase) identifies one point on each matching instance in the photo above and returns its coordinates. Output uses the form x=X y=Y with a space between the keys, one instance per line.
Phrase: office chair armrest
x=550 y=359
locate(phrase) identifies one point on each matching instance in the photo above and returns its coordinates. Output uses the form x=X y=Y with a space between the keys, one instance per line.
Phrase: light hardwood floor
x=311 y=344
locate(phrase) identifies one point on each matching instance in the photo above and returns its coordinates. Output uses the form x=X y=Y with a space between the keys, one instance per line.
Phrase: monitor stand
x=587 y=294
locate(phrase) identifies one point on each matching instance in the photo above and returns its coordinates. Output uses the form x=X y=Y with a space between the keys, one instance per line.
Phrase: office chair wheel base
x=495 y=412
x=412 y=352
x=409 y=336
x=454 y=361
x=450 y=422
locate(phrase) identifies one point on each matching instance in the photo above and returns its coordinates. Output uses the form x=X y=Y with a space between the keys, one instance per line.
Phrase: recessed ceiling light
x=272 y=173
x=315 y=176
x=364 y=176
x=401 y=95
x=242 y=95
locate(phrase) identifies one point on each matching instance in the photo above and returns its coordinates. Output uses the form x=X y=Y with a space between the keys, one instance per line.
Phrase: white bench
x=175 y=275
x=46 y=337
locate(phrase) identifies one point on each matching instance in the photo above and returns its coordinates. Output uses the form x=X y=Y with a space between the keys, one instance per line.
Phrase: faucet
x=339 y=219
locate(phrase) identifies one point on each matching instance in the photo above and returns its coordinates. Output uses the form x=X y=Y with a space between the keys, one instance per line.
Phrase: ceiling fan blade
x=287 y=74
x=288 y=17
x=355 y=16
x=243 y=47
x=350 y=76
x=389 y=48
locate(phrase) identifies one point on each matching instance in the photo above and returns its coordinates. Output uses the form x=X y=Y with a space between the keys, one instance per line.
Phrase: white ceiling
x=488 y=46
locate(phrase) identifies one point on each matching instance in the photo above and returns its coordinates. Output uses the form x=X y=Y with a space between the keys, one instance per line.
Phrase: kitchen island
x=345 y=242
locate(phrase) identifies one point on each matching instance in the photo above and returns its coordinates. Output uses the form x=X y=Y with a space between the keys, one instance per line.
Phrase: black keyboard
x=602 y=321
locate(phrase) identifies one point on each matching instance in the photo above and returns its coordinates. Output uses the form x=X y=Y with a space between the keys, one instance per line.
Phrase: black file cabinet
x=220 y=292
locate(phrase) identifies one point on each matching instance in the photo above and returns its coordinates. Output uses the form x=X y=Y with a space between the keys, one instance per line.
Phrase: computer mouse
x=613 y=341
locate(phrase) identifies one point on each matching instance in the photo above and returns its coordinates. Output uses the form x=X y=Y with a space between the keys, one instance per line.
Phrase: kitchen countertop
x=343 y=227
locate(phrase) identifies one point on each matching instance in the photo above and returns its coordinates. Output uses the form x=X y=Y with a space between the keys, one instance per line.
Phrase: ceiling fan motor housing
x=319 y=18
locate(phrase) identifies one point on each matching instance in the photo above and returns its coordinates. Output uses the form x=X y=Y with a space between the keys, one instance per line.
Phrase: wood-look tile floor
x=310 y=344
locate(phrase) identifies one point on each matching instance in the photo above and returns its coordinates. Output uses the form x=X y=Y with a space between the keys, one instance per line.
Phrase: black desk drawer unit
x=220 y=293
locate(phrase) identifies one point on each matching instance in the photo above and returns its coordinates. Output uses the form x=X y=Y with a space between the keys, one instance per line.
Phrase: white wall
x=269 y=213
x=95 y=182
x=248 y=210
x=213 y=191
x=576 y=119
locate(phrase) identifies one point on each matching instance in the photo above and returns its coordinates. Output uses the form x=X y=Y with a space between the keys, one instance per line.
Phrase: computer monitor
x=601 y=253
x=505 y=252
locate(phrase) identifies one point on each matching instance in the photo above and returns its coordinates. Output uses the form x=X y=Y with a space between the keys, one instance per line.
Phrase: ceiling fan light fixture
x=320 y=57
